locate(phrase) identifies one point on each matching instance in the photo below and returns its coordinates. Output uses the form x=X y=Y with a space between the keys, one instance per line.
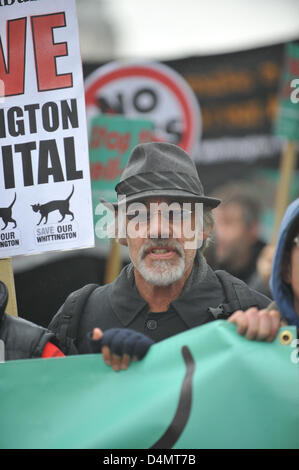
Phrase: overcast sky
x=161 y=29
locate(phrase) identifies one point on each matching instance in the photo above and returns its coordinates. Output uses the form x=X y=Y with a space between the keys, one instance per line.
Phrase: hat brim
x=175 y=193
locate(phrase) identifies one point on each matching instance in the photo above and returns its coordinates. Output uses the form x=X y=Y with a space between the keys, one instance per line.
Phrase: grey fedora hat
x=161 y=169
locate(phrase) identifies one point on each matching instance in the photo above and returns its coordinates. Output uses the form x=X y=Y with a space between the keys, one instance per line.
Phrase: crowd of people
x=185 y=270
x=239 y=248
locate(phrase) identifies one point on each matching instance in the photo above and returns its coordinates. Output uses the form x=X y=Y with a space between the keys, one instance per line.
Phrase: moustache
x=150 y=244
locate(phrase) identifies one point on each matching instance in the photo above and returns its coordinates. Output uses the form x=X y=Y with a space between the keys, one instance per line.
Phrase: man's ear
x=207 y=231
x=122 y=241
x=205 y=234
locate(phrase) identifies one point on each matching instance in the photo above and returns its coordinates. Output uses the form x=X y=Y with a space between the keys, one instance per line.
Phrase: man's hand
x=119 y=346
x=254 y=324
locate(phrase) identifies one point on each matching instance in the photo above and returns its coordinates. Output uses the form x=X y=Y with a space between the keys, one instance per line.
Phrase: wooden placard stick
x=6 y=276
x=114 y=262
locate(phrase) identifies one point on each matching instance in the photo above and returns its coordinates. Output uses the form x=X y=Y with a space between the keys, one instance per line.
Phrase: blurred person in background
x=284 y=279
x=238 y=244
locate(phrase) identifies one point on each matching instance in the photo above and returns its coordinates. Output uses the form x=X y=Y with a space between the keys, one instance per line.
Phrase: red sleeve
x=50 y=350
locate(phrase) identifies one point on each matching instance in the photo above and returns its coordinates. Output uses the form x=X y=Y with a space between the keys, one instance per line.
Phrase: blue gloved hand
x=119 y=346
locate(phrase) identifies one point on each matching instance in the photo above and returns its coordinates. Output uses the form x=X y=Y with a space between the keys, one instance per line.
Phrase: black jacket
x=119 y=305
x=22 y=339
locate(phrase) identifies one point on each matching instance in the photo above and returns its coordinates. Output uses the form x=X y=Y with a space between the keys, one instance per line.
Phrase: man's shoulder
x=23 y=338
x=120 y=283
x=89 y=299
x=263 y=300
x=96 y=291
x=99 y=290
x=76 y=300
x=234 y=286
x=20 y=324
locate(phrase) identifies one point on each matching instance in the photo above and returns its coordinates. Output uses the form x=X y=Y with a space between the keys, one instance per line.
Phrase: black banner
x=238 y=96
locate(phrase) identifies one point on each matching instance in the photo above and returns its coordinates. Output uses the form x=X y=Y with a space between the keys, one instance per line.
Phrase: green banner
x=287 y=123
x=206 y=388
x=111 y=141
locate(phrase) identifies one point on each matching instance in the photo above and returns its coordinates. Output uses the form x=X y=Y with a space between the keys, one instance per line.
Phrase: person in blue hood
x=284 y=280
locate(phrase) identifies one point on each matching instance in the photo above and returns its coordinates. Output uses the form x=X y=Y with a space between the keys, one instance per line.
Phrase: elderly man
x=168 y=287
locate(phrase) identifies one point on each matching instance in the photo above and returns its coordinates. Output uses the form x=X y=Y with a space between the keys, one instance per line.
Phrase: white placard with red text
x=45 y=196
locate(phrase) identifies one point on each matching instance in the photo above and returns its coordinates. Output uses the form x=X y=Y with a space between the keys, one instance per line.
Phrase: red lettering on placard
x=293 y=66
x=46 y=52
x=101 y=137
x=147 y=136
x=97 y=137
x=110 y=171
x=13 y=72
x=112 y=140
x=286 y=90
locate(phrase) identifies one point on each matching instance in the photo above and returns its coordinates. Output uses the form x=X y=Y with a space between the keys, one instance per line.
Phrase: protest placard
x=287 y=127
x=287 y=122
x=147 y=91
x=45 y=197
x=112 y=139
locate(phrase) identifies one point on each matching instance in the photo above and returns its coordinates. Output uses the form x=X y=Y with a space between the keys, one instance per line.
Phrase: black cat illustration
x=63 y=206
x=5 y=213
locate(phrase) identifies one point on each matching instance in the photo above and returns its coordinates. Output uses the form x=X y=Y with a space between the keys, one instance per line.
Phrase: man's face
x=232 y=233
x=160 y=252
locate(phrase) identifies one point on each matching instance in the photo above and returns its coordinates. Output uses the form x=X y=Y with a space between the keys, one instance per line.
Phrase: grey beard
x=198 y=274
x=162 y=272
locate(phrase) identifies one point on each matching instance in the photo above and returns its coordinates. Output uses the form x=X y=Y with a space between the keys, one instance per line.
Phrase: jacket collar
x=196 y=300
x=127 y=303
x=125 y=299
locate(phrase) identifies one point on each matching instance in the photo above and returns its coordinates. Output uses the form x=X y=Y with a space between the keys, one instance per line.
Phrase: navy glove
x=122 y=341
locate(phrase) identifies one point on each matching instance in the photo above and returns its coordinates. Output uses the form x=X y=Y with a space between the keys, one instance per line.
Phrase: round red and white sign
x=150 y=91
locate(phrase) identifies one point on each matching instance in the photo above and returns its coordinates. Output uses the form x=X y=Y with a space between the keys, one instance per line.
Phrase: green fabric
x=245 y=394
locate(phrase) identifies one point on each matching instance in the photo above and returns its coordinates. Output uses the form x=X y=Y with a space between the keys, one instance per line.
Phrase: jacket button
x=151 y=324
